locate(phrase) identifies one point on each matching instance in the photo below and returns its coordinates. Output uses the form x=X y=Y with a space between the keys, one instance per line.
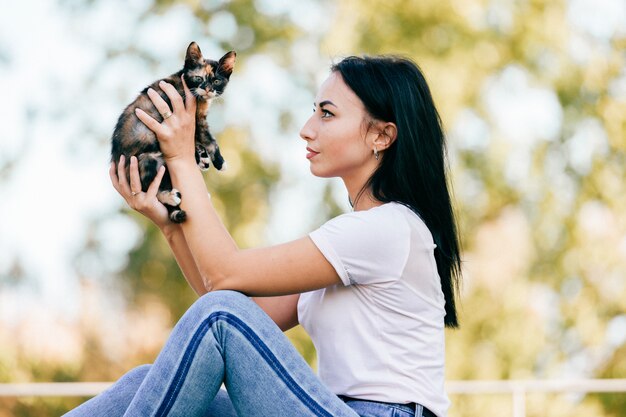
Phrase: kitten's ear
x=193 y=54
x=227 y=63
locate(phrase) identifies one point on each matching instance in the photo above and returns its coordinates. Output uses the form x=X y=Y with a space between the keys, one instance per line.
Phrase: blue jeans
x=225 y=337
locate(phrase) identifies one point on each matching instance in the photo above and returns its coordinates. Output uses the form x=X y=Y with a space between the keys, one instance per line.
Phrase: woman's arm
x=148 y=205
x=176 y=240
x=281 y=309
x=289 y=268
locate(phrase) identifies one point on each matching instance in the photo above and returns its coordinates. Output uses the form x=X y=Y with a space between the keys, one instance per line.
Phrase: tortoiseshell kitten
x=206 y=80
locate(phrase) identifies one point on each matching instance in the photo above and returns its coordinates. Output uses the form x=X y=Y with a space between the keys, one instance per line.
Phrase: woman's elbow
x=216 y=281
x=221 y=275
x=210 y=281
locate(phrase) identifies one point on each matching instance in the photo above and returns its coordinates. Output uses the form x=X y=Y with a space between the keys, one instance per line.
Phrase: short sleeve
x=365 y=247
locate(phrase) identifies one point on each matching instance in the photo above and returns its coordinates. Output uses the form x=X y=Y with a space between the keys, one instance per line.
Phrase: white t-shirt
x=380 y=335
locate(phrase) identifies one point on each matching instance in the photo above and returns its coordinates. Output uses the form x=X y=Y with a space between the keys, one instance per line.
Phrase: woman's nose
x=307 y=132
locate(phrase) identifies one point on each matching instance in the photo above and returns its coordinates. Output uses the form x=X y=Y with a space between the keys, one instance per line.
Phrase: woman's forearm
x=176 y=239
x=208 y=240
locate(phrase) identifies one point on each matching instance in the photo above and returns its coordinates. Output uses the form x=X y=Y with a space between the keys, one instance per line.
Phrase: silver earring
x=376 y=153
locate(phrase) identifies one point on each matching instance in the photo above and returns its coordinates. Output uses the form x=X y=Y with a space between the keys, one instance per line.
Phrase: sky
x=63 y=102
x=59 y=100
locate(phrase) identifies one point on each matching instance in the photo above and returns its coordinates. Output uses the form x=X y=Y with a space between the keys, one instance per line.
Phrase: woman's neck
x=359 y=192
x=362 y=199
x=364 y=203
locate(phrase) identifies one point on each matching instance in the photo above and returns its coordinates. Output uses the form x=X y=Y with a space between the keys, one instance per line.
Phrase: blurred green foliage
x=545 y=253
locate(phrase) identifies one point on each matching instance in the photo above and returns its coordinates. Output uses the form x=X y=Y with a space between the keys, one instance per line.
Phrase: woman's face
x=337 y=143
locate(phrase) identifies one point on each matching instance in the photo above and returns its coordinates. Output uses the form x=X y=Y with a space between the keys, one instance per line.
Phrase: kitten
x=206 y=80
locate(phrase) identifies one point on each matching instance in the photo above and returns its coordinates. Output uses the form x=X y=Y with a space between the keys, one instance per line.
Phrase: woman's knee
x=222 y=300
x=136 y=374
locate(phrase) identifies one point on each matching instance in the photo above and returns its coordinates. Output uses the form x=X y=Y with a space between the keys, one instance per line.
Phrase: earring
x=376 y=153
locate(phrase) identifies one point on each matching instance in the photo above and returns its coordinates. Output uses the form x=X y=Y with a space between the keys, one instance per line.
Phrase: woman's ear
x=387 y=133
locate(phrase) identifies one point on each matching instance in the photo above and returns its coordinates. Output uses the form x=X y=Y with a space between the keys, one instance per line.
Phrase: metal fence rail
x=518 y=389
x=53 y=389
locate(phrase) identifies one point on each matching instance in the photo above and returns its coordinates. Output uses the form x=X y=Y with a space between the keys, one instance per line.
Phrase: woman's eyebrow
x=325 y=102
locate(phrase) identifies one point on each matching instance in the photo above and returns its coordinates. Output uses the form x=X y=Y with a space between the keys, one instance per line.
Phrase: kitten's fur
x=206 y=79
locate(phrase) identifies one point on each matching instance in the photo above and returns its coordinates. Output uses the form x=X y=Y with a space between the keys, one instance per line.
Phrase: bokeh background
x=533 y=97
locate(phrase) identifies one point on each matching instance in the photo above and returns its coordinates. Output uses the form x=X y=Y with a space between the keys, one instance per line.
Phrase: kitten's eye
x=197 y=80
x=217 y=81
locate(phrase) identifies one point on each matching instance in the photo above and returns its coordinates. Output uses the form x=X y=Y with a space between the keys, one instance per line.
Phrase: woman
x=374 y=288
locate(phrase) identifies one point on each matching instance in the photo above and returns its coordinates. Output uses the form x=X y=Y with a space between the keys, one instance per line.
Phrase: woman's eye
x=326 y=114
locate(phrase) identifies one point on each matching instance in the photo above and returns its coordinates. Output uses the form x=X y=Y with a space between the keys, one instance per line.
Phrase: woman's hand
x=145 y=203
x=176 y=132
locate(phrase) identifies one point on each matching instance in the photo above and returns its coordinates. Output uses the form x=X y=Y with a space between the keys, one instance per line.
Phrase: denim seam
x=183 y=370
x=256 y=342
x=398 y=407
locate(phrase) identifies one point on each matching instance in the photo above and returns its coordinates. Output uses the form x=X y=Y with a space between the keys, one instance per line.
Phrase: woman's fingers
x=135 y=182
x=145 y=203
x=190 y=100
x=121 y=177
x=160 y=104
x=147 y=120
x=113 y=176
x=154 y=185
x=174 y=96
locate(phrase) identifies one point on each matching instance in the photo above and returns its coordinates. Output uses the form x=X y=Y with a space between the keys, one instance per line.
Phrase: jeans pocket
x=373 y=409
x=399 y=411
x=378 y=409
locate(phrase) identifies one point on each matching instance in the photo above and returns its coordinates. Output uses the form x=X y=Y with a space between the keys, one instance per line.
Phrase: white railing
x=53 y=389
x=519 y=388
x=516 y=388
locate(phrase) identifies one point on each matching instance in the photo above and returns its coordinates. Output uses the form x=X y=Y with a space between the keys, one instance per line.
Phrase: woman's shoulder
x=392 y=210
x=395 y=214
x=368 y=246
x=384 y=215
x=384 y=222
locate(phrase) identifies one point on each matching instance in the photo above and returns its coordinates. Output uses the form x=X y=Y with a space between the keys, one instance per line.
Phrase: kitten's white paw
x=204 y=164
x=171 y=198
x=175 y=197
x=224 y=166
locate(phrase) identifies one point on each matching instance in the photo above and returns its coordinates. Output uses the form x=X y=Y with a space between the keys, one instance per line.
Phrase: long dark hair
x=413 y=169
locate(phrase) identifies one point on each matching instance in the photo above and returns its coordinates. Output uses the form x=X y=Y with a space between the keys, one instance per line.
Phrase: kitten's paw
x=176 y=196
x=178 y=216
x=224 y=166
x=204 y=164
x=171 y=198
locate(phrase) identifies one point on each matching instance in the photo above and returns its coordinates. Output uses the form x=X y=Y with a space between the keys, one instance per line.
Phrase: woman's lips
x=311 y=153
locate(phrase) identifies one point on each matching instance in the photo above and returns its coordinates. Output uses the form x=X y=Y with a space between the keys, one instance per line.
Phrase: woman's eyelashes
x=326 y=114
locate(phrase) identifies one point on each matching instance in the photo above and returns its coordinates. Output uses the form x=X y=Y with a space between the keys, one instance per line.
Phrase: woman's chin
x=321 y=173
